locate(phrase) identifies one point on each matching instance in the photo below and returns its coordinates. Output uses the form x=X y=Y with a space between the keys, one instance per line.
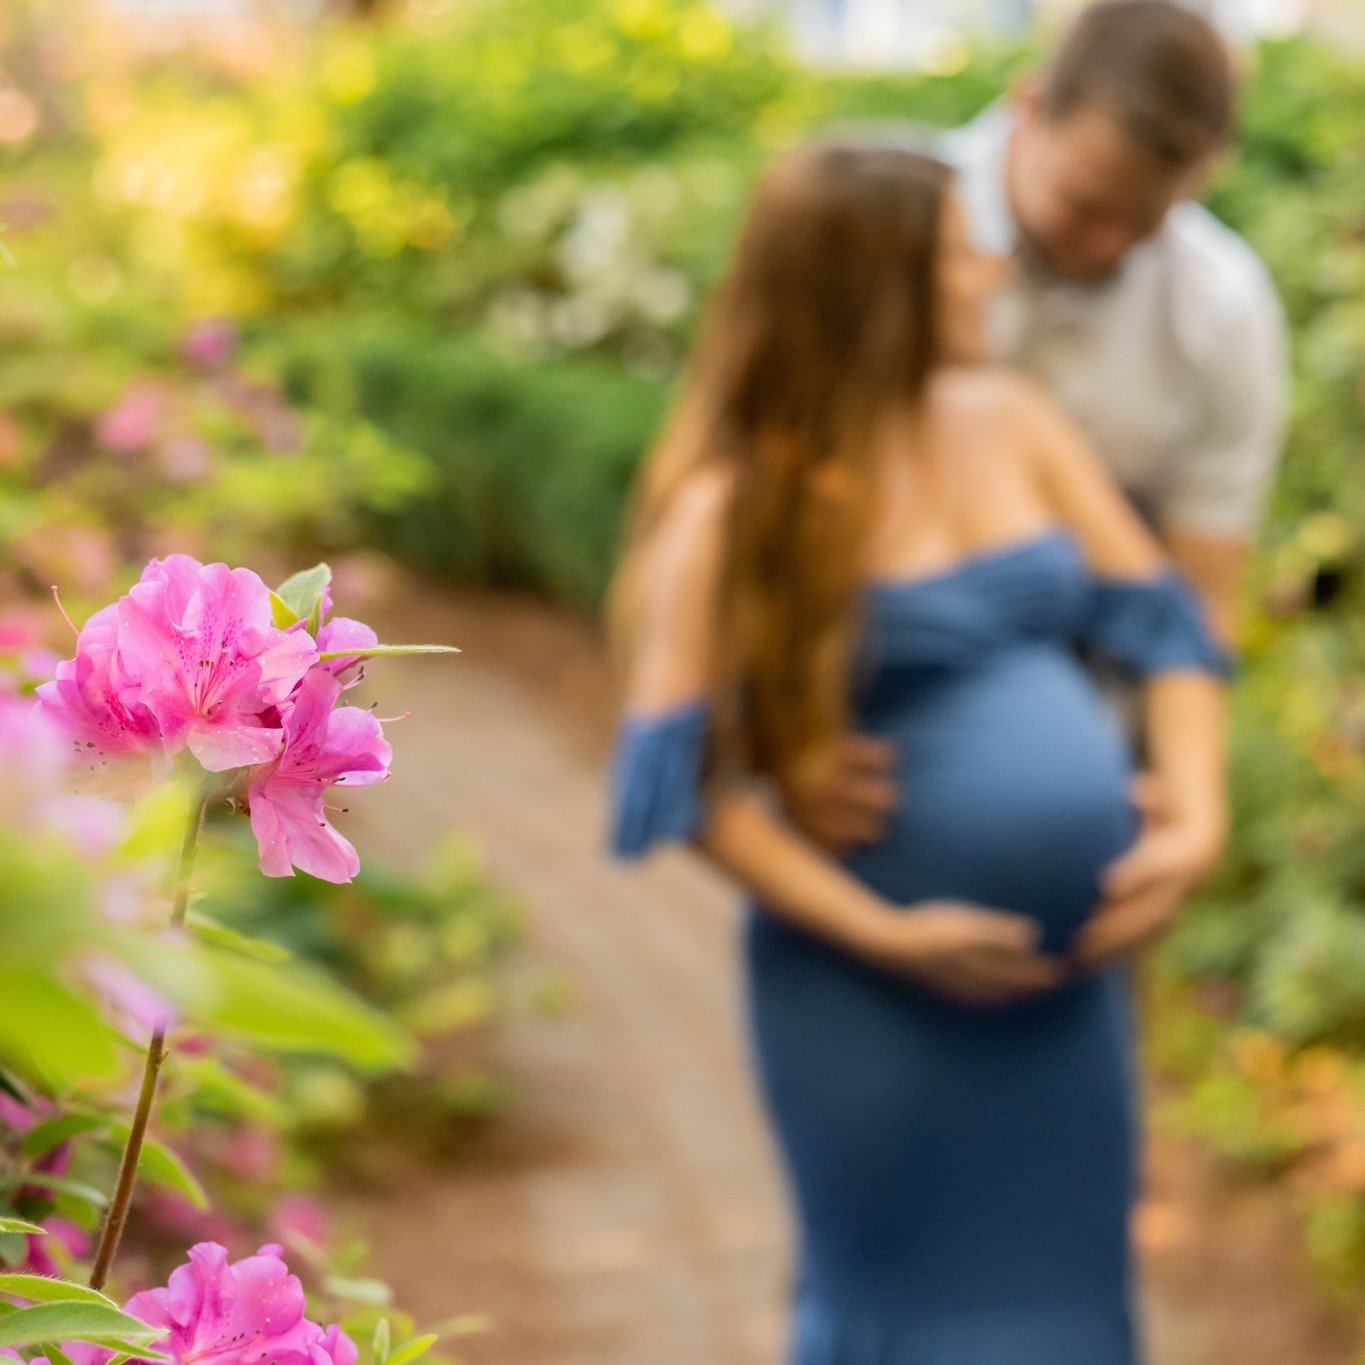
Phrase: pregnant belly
x=1013 y=791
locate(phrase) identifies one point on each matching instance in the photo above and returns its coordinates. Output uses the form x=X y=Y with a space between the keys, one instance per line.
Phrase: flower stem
x=112 y=1230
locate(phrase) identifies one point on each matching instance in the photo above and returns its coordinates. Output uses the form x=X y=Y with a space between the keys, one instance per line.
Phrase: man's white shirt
x=1176 y=367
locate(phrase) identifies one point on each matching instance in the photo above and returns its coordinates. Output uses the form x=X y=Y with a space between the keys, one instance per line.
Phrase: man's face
x=1083 y=191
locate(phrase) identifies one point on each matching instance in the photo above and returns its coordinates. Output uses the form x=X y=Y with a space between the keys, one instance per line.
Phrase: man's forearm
x=1216 y=566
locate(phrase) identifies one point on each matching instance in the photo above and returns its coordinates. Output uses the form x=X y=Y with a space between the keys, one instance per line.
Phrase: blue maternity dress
x=961 y=1177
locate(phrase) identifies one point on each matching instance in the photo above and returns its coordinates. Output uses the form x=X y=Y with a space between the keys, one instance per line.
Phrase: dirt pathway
x=627 y=1211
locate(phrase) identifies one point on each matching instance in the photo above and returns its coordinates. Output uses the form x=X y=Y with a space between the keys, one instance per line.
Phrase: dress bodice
x=1029 y=590
x=1038 y=591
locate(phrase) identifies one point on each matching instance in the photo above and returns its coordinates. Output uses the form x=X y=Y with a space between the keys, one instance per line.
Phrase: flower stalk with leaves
x=202 y=667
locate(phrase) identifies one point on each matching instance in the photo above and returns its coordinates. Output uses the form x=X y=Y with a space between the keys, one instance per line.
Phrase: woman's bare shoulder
x=688 y=537
x=986 y=410
x=992 y=392
x=674 y=590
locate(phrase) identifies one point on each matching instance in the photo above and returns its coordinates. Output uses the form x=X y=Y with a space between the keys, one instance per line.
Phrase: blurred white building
x=893 y=34
x=932 y=33
x=181 y=9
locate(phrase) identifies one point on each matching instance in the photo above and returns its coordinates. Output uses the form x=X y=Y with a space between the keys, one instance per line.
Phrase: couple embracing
x=926 y=616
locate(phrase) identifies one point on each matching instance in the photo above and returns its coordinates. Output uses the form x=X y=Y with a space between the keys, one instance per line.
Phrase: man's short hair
x=1163 y=72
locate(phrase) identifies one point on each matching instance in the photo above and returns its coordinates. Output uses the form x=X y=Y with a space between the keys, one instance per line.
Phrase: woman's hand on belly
x=965 y=952
x=1147 y=887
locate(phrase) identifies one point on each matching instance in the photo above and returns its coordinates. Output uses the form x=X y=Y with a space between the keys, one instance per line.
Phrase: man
x=1152 y=323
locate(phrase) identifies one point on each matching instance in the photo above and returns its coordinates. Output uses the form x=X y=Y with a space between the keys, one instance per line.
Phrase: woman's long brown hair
x=823 y=325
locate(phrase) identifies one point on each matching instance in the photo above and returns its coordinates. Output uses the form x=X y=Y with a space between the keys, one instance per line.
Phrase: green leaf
x=374 y=651
x=225 y=1092
x=49 y=1030
x=159 y=1164
x=73 y=1321
x=58 y=1184
x=296 y=1009
x=157 y=827
x=55 y=1355
x=140 y=1353
x=47 y=910
x=413 y=1350
x=464 y=1324
x=302 y=593
x=48 y=1290
x=381 y=1341
x=43 y=1137
x=281 y=613
x=360 y=1290
x=21 y=1225
x=210 y=930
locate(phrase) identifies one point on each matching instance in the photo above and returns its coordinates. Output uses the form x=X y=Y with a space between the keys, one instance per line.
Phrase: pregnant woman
x=852 y=519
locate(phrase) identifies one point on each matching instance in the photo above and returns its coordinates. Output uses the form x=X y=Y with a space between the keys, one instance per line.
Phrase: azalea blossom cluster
x=203 y=663
x=252 y=1310
x=247 y=1312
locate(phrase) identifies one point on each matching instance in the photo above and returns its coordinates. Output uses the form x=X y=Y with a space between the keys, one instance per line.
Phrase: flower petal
x=220 y=747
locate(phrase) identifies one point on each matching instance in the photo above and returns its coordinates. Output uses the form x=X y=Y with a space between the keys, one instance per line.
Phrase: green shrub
x=532 y=461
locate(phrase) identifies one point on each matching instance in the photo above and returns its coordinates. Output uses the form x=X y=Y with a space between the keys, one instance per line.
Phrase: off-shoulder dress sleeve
x=1152 y=625
x=656 y=778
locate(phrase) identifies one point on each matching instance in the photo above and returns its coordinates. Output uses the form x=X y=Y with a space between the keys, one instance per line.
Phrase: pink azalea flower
x=298 y=1218
x=32 y=749
x=323 y=747
x=78 y=1352
x=62 y=1231
x=129 y=425
x=36 y=761
x=90 y=824
x=190 y=657
x=247 y=1313
x=15 y=1116
x=334 y=1347
x=208 y=658
x=135 y=1009
x=251 y=1152
x=94 y=700
x=38 y=663
x=210 y=344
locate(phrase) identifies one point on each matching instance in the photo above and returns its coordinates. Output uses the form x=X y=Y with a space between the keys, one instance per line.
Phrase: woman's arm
x=1183 y=694
x=1181 y=841
x=965 y=951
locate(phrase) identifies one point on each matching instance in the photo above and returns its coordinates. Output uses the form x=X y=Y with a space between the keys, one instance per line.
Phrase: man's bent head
x=1128 y=119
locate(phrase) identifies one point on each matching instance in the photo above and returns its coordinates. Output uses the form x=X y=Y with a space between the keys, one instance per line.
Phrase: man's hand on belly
x=842 y=792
